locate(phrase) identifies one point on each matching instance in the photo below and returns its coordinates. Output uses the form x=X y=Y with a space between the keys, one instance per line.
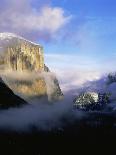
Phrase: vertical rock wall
x=25 y=56
x=19 y=56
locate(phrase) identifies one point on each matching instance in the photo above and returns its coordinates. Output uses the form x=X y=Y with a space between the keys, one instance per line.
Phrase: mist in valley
x=44 y=115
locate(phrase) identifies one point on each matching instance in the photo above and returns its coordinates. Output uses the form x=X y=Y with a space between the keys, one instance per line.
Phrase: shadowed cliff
x=8 y=98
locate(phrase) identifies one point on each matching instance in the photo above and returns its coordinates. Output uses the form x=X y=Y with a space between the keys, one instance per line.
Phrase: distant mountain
x=7 y=98
x=98 y=95
x=23 y=70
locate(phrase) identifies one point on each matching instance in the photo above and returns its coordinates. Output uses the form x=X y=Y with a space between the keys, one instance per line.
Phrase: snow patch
x=7 y=36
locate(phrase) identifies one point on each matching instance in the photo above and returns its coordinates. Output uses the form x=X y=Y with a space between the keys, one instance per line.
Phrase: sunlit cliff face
x=22 y=68
x=21 y=55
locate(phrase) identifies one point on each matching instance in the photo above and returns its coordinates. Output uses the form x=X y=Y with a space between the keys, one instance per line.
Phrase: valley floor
x=74 y=139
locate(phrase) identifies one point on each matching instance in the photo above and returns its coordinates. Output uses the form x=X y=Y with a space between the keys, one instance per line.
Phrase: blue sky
x=76 y=34
x=92 y=33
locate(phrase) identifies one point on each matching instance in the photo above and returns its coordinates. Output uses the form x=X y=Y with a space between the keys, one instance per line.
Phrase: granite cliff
x=23 y=70
x=19 y=54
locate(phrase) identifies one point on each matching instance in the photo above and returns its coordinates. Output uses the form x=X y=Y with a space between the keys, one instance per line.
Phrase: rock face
x=25 y=57
x=23 y=69
x=8 y=98
x=21 y=55
x=91 y=101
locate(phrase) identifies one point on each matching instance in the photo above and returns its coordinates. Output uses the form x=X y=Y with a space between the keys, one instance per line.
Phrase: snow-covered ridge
x=6 y=36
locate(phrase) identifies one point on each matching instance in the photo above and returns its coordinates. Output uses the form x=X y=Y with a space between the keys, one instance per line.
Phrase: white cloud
x=48 y=19
x=73 y=79
x=21 y=17
x=72 y=71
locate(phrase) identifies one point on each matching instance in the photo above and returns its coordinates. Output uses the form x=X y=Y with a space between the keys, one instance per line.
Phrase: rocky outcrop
x=23 y=69
x=23 y=56
x=7 y=98
x=91 y=101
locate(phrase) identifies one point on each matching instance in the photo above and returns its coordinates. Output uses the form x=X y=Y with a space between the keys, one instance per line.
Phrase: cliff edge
x=23 y=70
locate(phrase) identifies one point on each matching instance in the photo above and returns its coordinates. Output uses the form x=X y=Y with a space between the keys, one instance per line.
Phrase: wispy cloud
x=72 y=70
x=80 y=62
x=21 y=17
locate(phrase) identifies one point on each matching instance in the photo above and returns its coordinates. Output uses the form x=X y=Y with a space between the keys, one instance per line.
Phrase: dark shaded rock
x=8 y=98
x=57 y=94
x=111 y=78
x=46 y=69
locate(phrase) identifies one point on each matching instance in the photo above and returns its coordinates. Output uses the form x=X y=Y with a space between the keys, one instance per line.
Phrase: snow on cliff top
x=6 y=36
